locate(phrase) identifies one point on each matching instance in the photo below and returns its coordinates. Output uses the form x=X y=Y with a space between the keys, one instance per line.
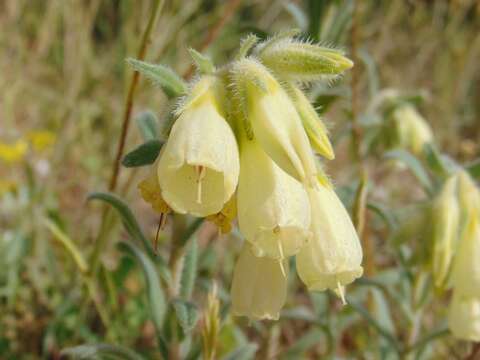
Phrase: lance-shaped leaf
x=147 y=123
x=156 y=297
x=187 y=314
x=160 y=75
x=145 y=154
x=100 y=351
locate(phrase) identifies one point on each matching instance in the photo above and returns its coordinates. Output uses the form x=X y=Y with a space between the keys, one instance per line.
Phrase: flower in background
x=41 y=140
x=446 y=218
x=412 y=131
x=13 y=153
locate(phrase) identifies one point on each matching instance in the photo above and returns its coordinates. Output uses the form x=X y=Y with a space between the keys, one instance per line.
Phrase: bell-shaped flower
x=466 y=267
x=199 y=165
x=412 y=130
x=464 y=317
x=259 y=286
x=270 y=114
x=333 y=257
x=273 y=208
x=316 y=130
x=446 y=216
x=469 y=196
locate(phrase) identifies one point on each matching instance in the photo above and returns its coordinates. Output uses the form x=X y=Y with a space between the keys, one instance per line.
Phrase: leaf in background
x=298 y=15
x=156 y=297
x=304 y=343
x=244 y=352
x=315 y=11
x=474 y=169
x=145 y=154
x=187 y=314
x=128 y=219
x=384 y=213
x=100 y=351
x=414 y=165
x=340 y=24
x=189 y=271
x=438 y=163
x=160 y=75
x=147 y=123
x=381 y=310
x=133 y=228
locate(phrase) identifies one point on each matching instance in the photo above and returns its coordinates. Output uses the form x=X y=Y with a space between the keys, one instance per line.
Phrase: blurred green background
x=63 y=84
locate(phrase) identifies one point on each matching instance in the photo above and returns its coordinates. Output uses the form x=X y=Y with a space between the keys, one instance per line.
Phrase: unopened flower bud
x=314 y=126
x=412 y=130
x=259 y=287
x=297 y=60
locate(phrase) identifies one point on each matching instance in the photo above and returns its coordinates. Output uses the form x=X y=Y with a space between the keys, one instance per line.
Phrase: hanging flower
x=259 y=286
x=199 y=165
x=333 y=257
x=273 y=207
x=271 y=117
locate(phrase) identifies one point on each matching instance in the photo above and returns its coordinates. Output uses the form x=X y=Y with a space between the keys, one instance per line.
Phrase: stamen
x=200 y=171
x=341 y=293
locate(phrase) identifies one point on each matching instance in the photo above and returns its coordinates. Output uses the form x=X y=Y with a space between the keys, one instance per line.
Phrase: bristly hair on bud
x=302 y=61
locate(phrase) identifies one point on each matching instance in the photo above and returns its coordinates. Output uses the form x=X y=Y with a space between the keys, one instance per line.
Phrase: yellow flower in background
x=259 y=286
x=413 y=131
x=464 y=317
x=13 y=153
x=314 y=126
x=199 y=165
x=273 y=207
x=274 y=120
x=7 y=186
x=42 y=139
x=446 y=220
x=333 y=257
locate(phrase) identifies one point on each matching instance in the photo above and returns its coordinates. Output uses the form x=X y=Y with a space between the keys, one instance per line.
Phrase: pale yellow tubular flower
x=464 y=317
x=413 y=130
x=273 y=207
x=13 y=153
x=314 y=126
x=199 y=165
x=274 y=120
x=469 y=195
x=446 y=218
x=333 y=257
x=259 y=286
x=466 y=268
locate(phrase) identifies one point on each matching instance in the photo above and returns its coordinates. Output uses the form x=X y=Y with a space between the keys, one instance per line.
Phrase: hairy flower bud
x=446 y=217
x=296 y=60
x=199 y=165
x=273 y=207
x=314 y=126
x=333 y=257
x=269 y=112
x=259 y=286
x=412 y=130
x=464 y=317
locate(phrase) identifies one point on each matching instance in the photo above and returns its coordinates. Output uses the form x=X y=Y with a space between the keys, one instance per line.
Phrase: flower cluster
x=456 y=250
x=243 y=146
